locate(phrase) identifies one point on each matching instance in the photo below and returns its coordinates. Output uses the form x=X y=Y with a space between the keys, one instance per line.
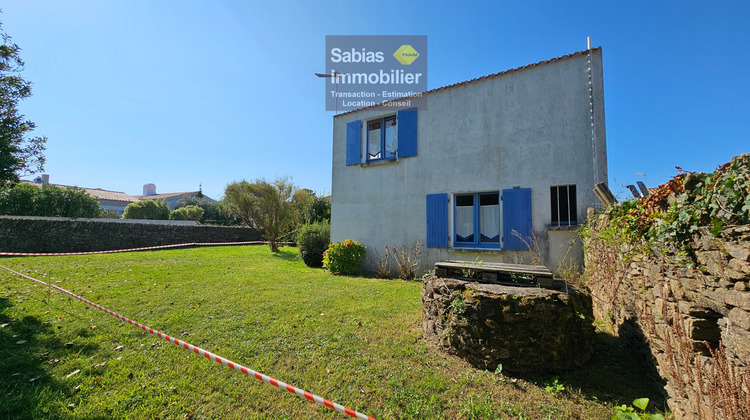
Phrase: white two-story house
x=482 y=170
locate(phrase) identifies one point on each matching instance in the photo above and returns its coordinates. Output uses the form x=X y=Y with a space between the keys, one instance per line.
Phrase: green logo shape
x=406 y=54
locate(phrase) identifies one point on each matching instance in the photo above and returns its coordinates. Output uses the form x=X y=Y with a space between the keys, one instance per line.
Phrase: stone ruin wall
x=691 y=314
x=524 y=329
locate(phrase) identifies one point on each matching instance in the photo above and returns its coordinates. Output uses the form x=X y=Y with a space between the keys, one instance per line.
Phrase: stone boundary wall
x=37 y=234
x=691 y=308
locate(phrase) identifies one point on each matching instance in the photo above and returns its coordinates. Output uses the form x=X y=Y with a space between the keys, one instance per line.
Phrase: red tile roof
x=489 y=76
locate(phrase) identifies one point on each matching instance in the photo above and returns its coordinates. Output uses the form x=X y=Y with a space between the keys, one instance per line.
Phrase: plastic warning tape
x=207 y=354
x=41 y=254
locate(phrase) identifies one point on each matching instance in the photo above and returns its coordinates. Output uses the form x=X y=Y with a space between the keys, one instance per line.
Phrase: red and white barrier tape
x=40 y=254
x=239 y=368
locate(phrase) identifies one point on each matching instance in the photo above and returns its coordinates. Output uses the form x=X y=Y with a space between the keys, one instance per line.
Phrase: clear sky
x=182 y=93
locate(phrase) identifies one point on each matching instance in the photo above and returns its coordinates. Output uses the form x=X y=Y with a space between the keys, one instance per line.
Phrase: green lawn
x=356 y=341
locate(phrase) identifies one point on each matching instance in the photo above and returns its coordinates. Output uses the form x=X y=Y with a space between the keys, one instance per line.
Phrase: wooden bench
x=489 y=272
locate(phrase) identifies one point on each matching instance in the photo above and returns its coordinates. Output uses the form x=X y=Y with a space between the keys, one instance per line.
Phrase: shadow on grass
x=287 y=254
x=27 y=347
x=620 y=370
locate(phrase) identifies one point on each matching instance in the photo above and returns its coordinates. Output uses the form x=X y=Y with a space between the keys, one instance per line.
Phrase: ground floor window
x=477 y=219
x=563 y=205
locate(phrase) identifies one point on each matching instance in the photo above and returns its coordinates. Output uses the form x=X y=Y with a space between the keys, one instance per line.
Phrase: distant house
x=111 y=200
x=117 y=201
x=108 y=200
x=486 y=168
x=149 y=193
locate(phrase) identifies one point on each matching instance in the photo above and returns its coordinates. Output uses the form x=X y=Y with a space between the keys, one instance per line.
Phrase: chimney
x=45 y=179
x=149 y=189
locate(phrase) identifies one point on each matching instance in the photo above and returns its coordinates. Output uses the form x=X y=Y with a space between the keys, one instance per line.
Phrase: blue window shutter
x=516 y=216
x=407 y=132
x=353 y=142
x=437 y=220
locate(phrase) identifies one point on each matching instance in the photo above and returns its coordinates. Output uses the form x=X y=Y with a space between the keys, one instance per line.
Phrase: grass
x=356 y=341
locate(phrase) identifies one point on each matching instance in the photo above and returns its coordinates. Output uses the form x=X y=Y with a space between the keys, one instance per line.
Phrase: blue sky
x=182 y=93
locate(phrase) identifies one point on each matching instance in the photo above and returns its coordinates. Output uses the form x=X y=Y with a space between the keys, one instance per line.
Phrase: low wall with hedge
x=59 y=234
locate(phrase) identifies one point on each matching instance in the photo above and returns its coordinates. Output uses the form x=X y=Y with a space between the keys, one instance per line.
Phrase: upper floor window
x=563 y=205
x=382 y=138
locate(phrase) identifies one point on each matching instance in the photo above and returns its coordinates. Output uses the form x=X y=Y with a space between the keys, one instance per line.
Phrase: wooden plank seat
x=489 y=272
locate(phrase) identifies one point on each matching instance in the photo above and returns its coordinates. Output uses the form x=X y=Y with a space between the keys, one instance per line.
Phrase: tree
x=304 y=200
x=146 y=209
x=266 y=206
x=311 y=208
x=19 y=154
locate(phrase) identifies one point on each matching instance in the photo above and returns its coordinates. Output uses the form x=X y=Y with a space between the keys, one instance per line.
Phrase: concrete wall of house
x=529 y=128
x=118 y=206
x=172 y=201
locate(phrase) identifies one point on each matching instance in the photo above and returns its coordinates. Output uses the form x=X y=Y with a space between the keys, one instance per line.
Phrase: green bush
x=29 y=200
x=66 y=202
x=147 y=209
x=213 y=212
x=313 y=240
x=187 y=213
x=344 y=257
x=19 y=200
x=108 y=214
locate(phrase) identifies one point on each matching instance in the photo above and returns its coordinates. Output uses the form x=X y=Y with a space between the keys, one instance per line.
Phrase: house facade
x=170 y=199
x=486 y=170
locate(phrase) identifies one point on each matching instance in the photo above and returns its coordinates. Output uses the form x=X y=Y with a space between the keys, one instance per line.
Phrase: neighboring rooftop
x=164 y=195
x=98 y=193
x=489 y=76
x=149 y=192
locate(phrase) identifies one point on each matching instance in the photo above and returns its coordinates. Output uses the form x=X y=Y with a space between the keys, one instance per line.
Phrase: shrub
x=66 y=202
x=383 y=263
x=187 y=213
x=407 y=260
x=108 y=214
x=19 y=200
x=313 y=240
x=146 y=209
x=213 y=212
x=49 y=200
x=344 y=257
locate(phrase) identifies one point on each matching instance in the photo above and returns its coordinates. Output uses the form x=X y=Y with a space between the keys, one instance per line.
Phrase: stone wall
x=691 y=309
x=526 y=329
x=37 y=234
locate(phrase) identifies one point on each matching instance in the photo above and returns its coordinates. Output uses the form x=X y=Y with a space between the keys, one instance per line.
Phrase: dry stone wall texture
x=692 y=307
x=72 y=235
x=526 y=329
